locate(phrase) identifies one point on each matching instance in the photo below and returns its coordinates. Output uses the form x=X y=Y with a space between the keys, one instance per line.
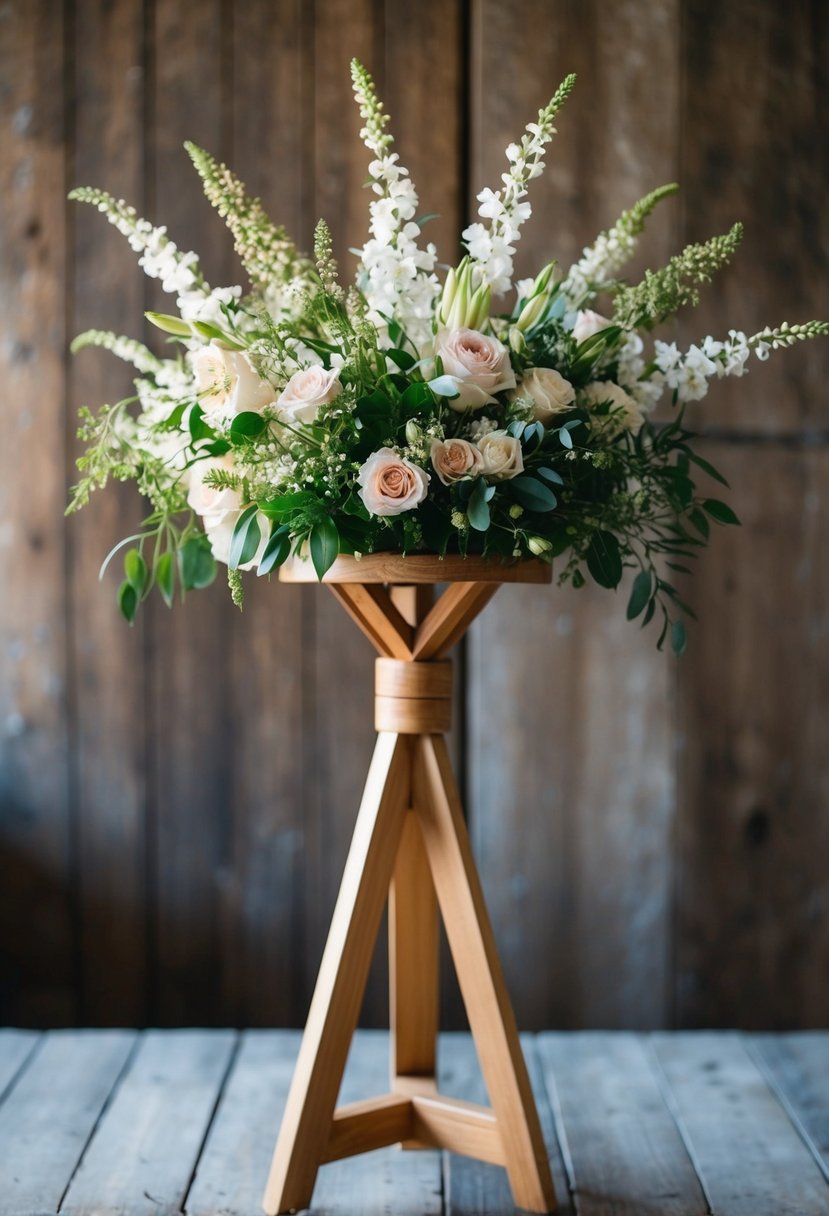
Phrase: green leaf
x=325 y=545
x=196 y=563
x=679 y=638
x=401 y=357
x=550 y=475
x=640 y=593
x=276 y=550
x=170 y=325
x=354 y=505
x=127 y=601
x=205 y=330
x=415 y=395
x=697 y=518
x=444 y=386
x=135 y=569
x=477 y=509
x=199 y=429
x=533 y=494
x=720 y=511
x=706 y=466
x=245 y=539
x=246 y=426
x=604 y=560
x=276 y=508
x=565 y=438
x=164 y=575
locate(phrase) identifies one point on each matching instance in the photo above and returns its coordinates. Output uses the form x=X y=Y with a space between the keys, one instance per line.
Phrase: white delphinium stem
x=128 y=349
x=602 y=261
x=491 y=247
x=396 y=275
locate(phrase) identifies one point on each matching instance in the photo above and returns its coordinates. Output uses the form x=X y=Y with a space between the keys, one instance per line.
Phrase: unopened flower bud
x=539 y=545
x=539 y=300
x=517 y=341
x=413 y=432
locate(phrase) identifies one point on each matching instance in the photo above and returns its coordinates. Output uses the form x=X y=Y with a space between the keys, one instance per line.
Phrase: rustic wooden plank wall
x=176 y=800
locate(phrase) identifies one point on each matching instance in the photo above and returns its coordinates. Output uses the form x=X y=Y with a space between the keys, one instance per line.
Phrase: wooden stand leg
x=480 y=976
x=335 y=1007
x=411 y=842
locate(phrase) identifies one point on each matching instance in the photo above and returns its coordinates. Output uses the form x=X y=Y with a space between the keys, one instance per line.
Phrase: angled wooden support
x=411 y=842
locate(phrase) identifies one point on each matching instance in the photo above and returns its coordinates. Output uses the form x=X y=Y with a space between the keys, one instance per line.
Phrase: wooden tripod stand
x=410 y=843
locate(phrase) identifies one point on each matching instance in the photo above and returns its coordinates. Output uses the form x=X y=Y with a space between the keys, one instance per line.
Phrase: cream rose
x=502 y=456
x=478 y=365
x=625 y=413
x=390 y=485
x=589 y=323
x=306 y=391
x=454 y=459
x=219 y=509
x=549 y=392
x=227 y=382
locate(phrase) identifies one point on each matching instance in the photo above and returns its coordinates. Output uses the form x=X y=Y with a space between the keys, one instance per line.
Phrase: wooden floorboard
x=99 y=1123
x=797 y=1067
x=620 y=1140
x=49 y=1115
x=750 y=1156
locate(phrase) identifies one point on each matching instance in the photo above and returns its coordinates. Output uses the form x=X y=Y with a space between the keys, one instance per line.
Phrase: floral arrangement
x=407 y=413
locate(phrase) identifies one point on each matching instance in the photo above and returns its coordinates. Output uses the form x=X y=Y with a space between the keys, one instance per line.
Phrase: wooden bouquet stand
x=411 y=843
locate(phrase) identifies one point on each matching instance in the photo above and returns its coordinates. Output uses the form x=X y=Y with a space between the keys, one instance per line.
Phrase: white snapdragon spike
x=396 y=276
x=491 y=246
x=602 y=261
x=687 y=373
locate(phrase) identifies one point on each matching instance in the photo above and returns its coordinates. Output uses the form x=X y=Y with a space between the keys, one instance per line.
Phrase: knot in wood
x=413 y=698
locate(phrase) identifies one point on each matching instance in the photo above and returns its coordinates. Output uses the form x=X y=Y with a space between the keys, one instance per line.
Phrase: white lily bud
x=413 y=432
x=539 y=545
x=517 y=341
x=536 y=305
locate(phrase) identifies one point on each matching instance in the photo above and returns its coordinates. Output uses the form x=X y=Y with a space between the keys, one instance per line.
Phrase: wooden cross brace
x=411 y=845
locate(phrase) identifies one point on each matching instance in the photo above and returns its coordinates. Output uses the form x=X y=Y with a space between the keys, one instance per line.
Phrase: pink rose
x=589 y=323
x=478 y=365
x=454 y=459
x=390 y=485
x=227 y=382
x=306 y=391
x=549 y=392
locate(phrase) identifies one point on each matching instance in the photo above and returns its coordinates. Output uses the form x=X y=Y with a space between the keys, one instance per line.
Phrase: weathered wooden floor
x=112 y=1122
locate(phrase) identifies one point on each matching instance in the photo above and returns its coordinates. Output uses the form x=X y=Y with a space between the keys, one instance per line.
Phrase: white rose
x=219 y=509
x=306 y=391
x=478 y=365
x=549 y=392
x=390 y=485
x=589 y=323
x=502 y=456
x=227 y=382
x=454 y=459
x=625 y=413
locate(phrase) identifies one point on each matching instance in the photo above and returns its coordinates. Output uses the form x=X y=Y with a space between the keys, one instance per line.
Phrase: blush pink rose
x=454 y=459
x=390 y=485
x=502 y=456
x=306 y=391
x=479 y=366
x=589 y=323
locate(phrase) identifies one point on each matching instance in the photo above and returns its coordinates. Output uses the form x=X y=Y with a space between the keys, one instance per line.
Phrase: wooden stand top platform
x=395 y=568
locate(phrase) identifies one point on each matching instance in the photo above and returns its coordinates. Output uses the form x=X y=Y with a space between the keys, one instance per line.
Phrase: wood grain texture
x=621 y=1143
x=754 y=98
x=110 y=672
x=191 y=802
x=49 y=1116
x=39 y=985
x=576 y=862
x=753 y=936
x=797 y=1067
x=730 y=1115
x=239 y=1144
x=149 y=1139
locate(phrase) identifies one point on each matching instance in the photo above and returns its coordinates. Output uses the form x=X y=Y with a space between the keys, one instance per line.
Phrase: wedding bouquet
x=410 y=411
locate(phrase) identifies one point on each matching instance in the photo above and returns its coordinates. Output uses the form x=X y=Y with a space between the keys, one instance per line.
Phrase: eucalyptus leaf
x=550 y=475
x=640 y=594
x=533 y=494
x=679 y=638
x=477 y=509
x=604 y=560
x=444 y=386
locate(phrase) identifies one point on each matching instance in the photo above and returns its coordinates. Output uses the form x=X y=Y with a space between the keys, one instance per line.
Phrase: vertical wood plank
x=106 y=57
x=565 y=697
x=753 y=936
x=193 y=722
x=47 y=1119
x=338 y=752
x=620 y=1140
x=144 y=1151
x=754 y=148
x=36 y=842
x=730 y=1116
x=261 y=889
